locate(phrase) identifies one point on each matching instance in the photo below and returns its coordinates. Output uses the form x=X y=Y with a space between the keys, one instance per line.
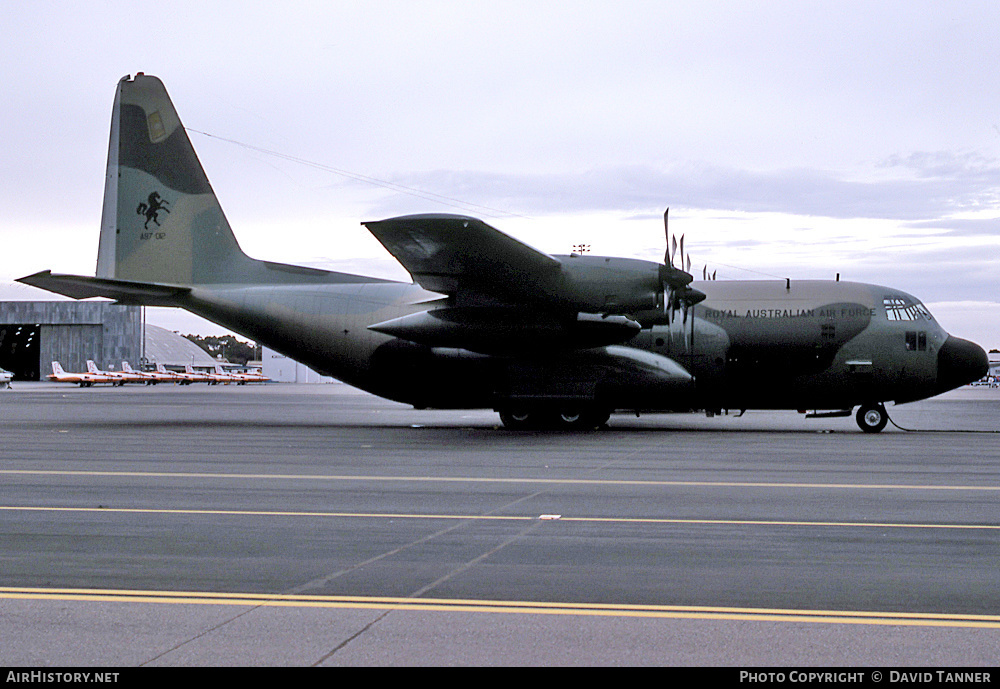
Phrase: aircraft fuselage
x=749 y=345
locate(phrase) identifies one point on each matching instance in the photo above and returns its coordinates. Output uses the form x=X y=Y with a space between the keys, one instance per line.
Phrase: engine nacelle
x=508 y=331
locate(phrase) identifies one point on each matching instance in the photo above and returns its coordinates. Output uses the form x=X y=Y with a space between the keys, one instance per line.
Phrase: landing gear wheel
x=517 y=419
x=582 y=418
x=570 y=418
x=872 y=418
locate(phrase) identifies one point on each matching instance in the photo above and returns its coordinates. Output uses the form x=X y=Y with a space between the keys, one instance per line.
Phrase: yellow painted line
x=495 y=606
x=462 y=479
x=486 y=517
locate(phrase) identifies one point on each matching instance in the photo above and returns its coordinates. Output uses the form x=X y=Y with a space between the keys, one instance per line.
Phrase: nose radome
x=960 y=362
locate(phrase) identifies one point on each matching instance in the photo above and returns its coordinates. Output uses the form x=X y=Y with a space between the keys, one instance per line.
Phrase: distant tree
x=227 y=347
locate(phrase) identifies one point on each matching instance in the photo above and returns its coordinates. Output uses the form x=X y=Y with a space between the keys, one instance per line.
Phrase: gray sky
x=798 y=139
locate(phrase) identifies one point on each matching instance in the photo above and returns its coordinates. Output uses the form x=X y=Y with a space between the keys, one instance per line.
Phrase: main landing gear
x=568 y=418
x=872 y=418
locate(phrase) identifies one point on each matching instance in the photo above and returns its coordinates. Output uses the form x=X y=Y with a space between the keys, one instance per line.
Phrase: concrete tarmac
x=317 y=525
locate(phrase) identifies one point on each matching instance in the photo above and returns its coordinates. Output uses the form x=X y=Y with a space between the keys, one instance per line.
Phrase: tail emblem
x=152 y=208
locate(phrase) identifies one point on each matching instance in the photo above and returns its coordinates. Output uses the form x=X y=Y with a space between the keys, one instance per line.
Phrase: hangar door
x=72 y=345
x=20 y=345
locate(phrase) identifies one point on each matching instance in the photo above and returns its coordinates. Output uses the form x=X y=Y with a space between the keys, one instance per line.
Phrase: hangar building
x=33 y=334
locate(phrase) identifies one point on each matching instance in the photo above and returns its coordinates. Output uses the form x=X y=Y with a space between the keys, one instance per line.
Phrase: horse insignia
x=152 y=208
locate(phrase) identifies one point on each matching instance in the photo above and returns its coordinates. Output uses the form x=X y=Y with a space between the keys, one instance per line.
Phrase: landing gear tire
x=872 y=418
x=585 y=418
x=517 y=419
x=570 y=419
x=566 y=419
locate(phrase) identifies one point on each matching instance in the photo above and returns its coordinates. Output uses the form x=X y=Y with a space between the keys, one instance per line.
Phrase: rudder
x=161 y=220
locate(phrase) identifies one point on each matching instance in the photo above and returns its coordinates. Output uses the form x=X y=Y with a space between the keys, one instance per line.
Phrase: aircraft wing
x=123 y=291
x=452 y=253
x=508 y=297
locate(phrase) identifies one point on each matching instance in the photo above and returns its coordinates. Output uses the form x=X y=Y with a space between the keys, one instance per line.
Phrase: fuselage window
x=916 y=341
x=899 y=309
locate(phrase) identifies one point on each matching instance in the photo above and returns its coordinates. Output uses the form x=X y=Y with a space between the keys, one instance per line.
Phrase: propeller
x=677 y=294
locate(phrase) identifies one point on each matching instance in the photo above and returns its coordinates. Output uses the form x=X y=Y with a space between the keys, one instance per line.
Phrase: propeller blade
x=666 y=238
x=677 y=294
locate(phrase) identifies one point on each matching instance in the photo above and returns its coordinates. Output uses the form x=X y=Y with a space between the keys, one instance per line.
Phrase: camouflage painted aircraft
x=489 y=322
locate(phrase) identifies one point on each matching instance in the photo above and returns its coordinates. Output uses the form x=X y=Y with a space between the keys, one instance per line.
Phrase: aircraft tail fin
x=162 y=223
x=57 y=368
x=162 y=228
x=91 y=366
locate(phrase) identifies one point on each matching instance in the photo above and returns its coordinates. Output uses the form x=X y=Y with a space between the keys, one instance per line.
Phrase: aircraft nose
x=960 y=362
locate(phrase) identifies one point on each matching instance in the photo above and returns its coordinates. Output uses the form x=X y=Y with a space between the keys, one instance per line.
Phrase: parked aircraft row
x=95 y=376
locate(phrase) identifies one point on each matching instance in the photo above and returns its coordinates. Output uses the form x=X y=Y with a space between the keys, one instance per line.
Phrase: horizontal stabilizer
x=123 y=291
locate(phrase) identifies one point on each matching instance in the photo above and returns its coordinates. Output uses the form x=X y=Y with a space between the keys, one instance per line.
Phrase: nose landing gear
x=872 y=418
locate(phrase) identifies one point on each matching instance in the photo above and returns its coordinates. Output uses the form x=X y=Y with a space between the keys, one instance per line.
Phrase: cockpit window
x=903 y=309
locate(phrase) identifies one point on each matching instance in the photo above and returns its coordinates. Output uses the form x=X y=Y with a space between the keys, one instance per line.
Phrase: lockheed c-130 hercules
x=490 y=322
